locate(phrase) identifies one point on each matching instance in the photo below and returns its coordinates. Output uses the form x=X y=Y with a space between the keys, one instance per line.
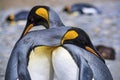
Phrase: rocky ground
x=102 y=29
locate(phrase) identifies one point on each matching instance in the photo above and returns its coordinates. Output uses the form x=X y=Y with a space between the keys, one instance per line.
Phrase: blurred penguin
x=19 y=17
x=82 y=8
x=106 y=52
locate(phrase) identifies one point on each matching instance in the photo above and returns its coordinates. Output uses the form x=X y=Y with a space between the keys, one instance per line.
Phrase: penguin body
x=63 y=68
x=39 y=65
x=39 y=15
x=64 y=65
x=99 y=69
x=82 y=8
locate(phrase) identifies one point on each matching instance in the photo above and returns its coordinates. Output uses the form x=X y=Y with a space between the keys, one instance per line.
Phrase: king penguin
x=39 y=15
x=82 y=8
x=69 y=64
x=42 y=15
x=92 y=64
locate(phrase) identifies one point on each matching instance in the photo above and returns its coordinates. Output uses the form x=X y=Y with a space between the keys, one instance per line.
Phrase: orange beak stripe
x=91 y=50
x=28 y=29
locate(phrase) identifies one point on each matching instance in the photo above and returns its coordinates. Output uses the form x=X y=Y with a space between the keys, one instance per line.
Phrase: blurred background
x=103 y=28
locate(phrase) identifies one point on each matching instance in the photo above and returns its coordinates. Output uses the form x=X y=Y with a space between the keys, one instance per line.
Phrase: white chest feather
x=64 y=66
x=89 y=10
x=40 y=66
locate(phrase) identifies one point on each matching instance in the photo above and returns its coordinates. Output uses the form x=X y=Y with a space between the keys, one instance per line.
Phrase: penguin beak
x=95 y=52
x=28 y=27
x=91 y=50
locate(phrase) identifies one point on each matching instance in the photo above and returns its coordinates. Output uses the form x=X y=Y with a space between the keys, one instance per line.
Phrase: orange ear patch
x=69 y=35
x=42 y=12
x=12 y=17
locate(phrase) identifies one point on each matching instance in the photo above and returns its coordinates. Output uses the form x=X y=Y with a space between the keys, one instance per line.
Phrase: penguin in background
x=19 y=17
x=82 y=8
x=22 y=15
x=107 y=52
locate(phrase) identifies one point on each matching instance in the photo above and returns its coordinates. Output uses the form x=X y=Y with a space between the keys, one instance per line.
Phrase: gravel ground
x=102 y=29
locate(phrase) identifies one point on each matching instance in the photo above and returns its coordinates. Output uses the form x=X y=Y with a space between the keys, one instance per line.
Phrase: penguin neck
x=54 y=24
x=55 y=20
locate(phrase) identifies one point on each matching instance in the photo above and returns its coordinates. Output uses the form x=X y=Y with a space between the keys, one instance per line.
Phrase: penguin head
x=78 y=37
x=38 y=15
x=67 y=8
x=41 y=15
x=10 y=18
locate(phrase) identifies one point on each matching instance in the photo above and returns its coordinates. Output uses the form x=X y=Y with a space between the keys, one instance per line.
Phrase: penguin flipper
x=24 y=76
x=17 y=64
x=11 y=70
x=98 y=67
x=22 y=69
x=85 y=71
x=23 y=53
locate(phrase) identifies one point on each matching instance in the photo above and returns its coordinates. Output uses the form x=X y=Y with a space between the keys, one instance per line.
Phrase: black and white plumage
x=39 y=15
x=82 y=8
x=96 y=69
x=75 y=61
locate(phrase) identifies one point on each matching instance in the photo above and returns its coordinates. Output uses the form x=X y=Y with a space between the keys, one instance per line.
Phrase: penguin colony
x=55 y=53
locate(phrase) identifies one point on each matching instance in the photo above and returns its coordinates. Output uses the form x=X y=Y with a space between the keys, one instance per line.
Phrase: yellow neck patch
x=69 y=35
x=42 y=12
